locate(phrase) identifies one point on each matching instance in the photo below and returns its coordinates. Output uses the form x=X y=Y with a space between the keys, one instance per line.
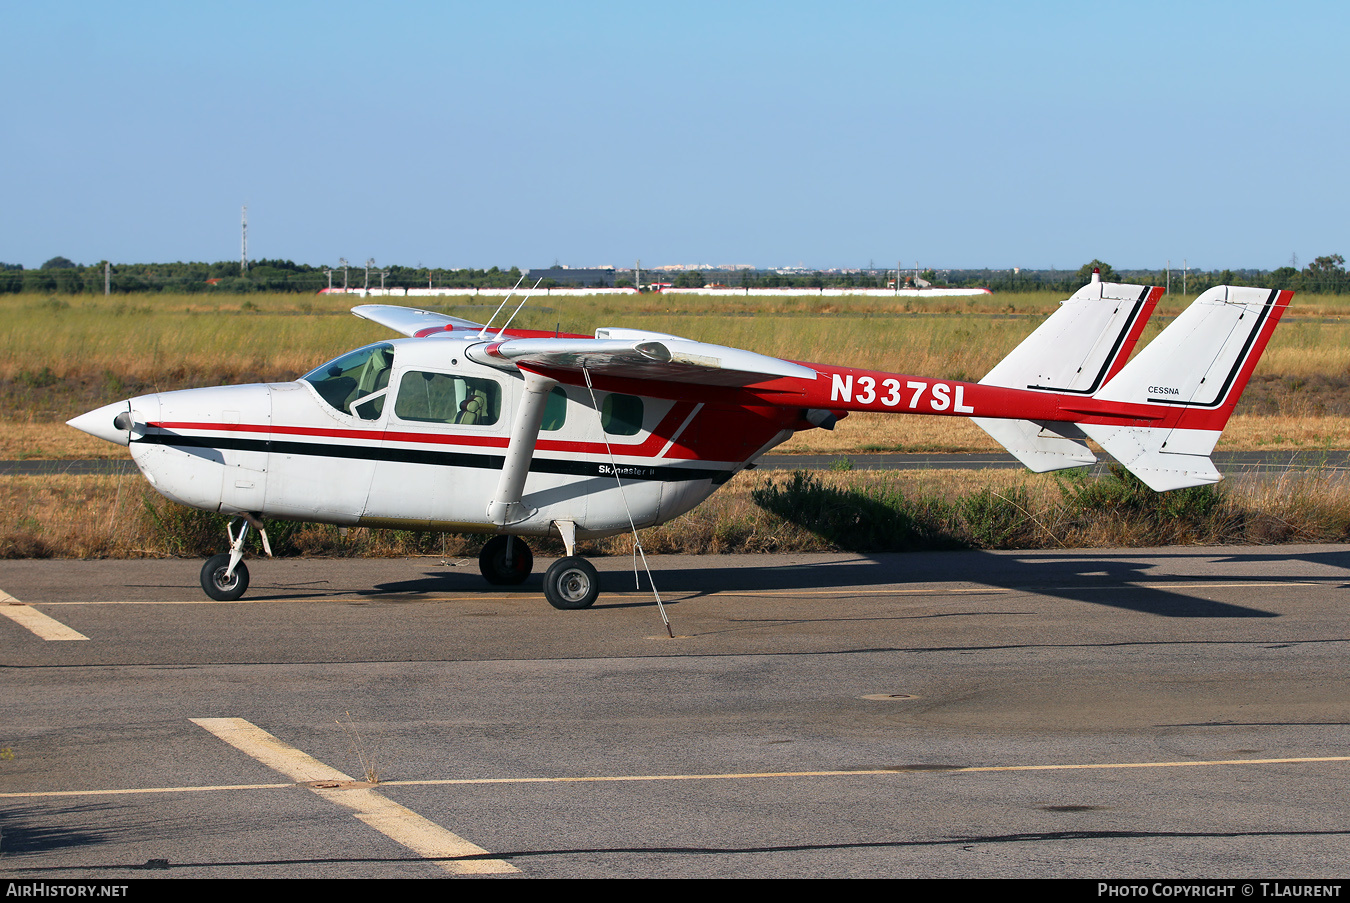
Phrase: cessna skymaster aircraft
x=523 y=433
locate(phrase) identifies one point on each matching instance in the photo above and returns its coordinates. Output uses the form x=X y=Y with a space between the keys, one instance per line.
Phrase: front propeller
x=114 y=423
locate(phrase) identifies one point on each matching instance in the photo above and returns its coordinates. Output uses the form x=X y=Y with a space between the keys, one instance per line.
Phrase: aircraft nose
x=114 y=422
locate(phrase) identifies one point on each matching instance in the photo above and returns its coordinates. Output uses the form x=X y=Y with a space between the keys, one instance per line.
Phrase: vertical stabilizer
x=1075 y=352
x=1193 y=374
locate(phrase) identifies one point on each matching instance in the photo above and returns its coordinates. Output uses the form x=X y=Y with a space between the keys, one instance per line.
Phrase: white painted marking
x=270 y=750
x=30 y=618
x=398 y=823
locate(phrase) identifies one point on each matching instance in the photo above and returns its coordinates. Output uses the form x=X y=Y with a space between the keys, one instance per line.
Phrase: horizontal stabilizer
x=1041 y=446
x=1140 y=449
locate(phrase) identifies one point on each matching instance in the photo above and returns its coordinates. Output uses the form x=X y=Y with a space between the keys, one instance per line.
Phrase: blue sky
x=954 y=134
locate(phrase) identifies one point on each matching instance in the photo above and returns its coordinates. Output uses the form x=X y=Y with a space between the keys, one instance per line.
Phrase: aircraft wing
x=636 y=354
x=411 y=321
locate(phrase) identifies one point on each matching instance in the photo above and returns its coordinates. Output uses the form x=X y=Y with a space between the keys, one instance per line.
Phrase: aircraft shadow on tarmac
x=1117 y=579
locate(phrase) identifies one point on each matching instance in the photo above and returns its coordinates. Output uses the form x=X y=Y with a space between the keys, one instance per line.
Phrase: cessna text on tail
x=528 y=434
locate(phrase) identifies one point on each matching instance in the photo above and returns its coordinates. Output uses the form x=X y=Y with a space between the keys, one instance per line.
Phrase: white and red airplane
x=522 y=433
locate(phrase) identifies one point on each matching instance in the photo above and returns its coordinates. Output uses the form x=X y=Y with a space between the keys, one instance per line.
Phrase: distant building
x=581 y=276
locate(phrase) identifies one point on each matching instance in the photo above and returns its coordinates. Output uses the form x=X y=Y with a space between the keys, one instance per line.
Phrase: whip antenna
x=482 y=332
x=518 y=307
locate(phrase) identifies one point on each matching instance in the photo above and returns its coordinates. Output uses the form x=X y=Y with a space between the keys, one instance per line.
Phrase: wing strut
x=506 y=506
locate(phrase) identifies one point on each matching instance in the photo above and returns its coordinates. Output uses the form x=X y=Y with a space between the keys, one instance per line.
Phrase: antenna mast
x=243 y=243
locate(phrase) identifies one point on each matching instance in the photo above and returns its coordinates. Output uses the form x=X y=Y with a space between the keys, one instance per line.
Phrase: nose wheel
x=225 y=576
x=222 y=584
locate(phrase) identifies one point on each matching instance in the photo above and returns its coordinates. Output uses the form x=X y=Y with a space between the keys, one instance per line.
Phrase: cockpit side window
x=427 y=397
x=357 y=382
x=555 y=410
x=621 y=415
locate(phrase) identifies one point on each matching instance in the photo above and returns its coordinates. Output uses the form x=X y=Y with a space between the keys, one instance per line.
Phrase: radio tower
x=243 y=243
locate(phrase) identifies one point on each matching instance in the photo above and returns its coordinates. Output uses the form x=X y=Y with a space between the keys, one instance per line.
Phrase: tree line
x=1325 y=275
x=61 y=276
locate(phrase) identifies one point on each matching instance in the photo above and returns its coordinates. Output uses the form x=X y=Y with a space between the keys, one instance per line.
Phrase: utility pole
x=243 y=243
x=107 y=278
x=370 y=262
x=342 y=262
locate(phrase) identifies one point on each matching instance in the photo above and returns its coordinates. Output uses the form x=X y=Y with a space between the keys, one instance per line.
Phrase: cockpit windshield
x=357 y=382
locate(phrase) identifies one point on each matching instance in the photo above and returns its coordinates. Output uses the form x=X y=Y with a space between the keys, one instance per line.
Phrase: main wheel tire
x=571 y=583
x=217 y=585
x=492 y=561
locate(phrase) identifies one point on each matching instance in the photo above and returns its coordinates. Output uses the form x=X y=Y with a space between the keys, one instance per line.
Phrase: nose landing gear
x=225 y=576
x=222 y=584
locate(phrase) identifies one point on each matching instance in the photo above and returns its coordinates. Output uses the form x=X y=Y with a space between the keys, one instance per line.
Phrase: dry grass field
x=61 y=357
x=121 y=516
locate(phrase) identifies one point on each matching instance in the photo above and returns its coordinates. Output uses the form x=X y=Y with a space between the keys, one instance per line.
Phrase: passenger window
x=621 y=415
x=356 y=383
x=426 y=397
x=555 y=410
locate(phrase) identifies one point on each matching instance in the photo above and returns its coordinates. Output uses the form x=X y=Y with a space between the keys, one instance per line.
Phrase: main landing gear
x=570 y=583
x=225 y=576
x=506 y=561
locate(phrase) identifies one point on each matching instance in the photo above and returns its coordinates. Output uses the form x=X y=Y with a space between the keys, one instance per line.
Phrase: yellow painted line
x=181 y=601
x=398 y=823
x=131 y=791
x=1108 y=765
x=31 y=619
x=717 y=776
x=730 y=776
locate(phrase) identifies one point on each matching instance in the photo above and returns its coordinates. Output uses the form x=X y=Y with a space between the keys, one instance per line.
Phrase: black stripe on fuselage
x=436 y=458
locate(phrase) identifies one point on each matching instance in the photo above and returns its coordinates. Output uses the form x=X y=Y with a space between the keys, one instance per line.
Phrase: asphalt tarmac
x=1172 y=713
